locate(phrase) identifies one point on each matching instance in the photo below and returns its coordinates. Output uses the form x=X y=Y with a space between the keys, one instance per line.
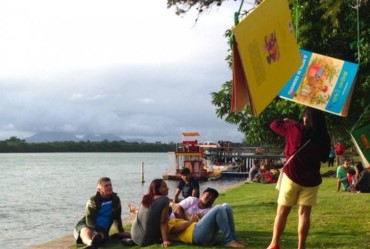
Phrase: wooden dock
x=245 y=156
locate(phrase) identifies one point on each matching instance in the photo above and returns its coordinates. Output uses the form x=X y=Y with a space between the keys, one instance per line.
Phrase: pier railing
x=245 y=156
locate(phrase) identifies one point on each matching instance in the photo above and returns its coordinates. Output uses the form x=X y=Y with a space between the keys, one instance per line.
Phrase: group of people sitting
x=193 y=220
x=353 y=178
x=262 y=172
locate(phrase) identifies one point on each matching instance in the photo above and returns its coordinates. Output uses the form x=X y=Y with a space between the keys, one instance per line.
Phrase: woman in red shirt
x=301 y=175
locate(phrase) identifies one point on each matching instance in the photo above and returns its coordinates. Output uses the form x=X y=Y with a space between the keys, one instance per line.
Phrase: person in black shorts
x=102 y=211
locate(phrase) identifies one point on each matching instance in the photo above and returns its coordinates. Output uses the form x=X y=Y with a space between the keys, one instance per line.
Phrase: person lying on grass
x=187 y=207
x=204 y=231
x=194 y=205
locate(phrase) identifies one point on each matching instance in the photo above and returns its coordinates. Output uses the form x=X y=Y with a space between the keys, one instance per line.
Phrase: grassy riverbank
x=340 y=220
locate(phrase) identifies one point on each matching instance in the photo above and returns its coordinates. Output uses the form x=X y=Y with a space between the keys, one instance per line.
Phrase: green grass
x=340 y=220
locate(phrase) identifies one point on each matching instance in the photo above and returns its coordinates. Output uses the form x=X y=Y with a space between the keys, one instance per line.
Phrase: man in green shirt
x=101 y=212
x=342 y=175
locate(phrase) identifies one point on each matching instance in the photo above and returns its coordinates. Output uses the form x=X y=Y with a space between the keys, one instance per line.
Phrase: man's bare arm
x=179 y=212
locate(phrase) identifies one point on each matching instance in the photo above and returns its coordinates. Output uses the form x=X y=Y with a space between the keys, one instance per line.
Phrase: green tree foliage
x=337 y=28
x=337 y=35
x=182 y=6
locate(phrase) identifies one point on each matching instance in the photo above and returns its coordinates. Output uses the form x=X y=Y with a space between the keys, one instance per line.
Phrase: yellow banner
x=268 y=51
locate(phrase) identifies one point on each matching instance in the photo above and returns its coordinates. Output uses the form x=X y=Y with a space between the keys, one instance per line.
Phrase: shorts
x=291 y=193
x=79 y=226
x=77 y=230
x=77 y=237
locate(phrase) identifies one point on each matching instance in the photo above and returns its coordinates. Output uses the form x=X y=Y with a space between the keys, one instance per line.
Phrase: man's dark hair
x=212 y=191
x=185 y=171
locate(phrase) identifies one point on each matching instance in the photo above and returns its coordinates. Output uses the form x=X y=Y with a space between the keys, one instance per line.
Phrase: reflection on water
x=44 y=194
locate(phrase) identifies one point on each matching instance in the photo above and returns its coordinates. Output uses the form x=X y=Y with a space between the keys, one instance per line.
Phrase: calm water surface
x=44 y=194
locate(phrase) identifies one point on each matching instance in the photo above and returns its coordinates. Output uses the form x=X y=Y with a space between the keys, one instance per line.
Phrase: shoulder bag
x=278 y=184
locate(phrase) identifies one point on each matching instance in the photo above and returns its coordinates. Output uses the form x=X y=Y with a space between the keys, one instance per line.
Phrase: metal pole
x=142 y=172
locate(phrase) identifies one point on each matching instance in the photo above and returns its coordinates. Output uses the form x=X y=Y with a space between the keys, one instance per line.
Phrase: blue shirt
x=331 y=154
x=103 y=219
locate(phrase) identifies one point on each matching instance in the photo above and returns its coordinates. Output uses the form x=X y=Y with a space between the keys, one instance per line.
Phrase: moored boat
x=212 y=161
x=229 y=167
x=189 y=155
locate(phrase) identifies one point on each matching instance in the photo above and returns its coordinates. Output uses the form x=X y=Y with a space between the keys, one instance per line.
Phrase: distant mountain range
x=44 y=137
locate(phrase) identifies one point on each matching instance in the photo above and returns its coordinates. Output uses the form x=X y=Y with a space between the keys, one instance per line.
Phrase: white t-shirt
x=190 y=206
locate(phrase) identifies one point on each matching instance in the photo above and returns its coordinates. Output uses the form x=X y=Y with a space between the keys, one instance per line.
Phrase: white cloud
x=127 y=67
x=76 y=96
x=146 y=100
x=68 y=128
x=8 y=127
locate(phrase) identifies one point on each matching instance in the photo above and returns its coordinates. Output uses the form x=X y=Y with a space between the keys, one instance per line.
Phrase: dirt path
x=68 y=242
x=65 y=242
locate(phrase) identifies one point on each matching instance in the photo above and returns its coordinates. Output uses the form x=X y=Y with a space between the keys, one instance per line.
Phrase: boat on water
x=218 y=156
x=190 y=155
x=228 y=167
x=212 y=161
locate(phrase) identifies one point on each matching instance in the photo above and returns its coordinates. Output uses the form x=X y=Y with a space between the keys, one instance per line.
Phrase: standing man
x=339 y=152
x=342 y=175
x=331 y=157
x=187 y=185
x=101 y=211
x=194 y=205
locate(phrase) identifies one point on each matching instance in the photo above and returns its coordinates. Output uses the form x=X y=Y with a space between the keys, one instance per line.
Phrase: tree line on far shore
x=16 y=145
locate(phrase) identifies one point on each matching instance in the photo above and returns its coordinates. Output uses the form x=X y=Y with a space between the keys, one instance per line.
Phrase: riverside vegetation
x=340 y=220
x=15 y=144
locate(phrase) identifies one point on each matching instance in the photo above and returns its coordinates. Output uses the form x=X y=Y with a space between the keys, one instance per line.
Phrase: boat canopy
x=190 y=134
x=209 y=146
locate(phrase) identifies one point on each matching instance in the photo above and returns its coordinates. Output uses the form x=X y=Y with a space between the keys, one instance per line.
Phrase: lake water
x=44 y=194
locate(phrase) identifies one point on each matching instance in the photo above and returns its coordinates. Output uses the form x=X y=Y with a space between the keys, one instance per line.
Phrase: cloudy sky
x=125 y=67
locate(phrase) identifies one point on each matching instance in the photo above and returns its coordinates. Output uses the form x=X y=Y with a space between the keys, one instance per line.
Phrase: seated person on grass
x=254 y=171
x=150 y=225
x=343 y=171
x=102 y=211
x=187 y=186
x=204 y=231
x=266 y=175
x=362 y=179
